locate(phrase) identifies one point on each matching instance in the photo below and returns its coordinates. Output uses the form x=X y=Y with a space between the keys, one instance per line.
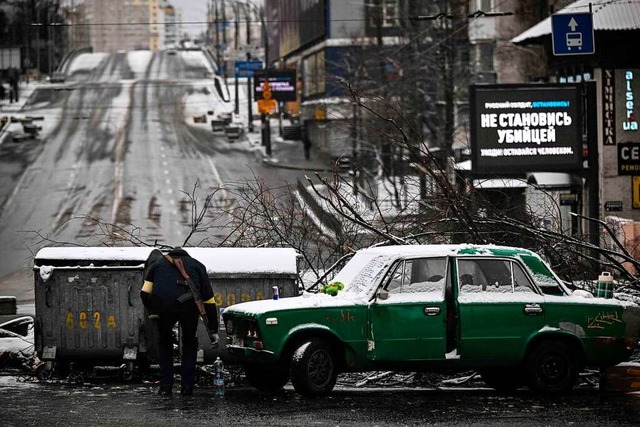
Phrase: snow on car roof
x=92 y=253
x=246 y=260
x=443 y=250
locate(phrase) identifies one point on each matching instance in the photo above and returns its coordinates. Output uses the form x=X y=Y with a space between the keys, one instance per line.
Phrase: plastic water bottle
x=218 y=381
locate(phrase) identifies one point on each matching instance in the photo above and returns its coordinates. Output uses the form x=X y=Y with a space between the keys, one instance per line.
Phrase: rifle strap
x=177 y=262
x=179 y=265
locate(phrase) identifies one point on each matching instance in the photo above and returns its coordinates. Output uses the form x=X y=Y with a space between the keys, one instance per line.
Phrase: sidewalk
x=26 y=89
x=287 y=154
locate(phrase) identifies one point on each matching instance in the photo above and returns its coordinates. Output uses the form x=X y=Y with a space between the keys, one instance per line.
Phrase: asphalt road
x=62 y=404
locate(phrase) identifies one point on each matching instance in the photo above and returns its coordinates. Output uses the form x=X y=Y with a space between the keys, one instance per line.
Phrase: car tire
x=503 y=380
x=552 y=368
x=267 y=378
x=313 y=368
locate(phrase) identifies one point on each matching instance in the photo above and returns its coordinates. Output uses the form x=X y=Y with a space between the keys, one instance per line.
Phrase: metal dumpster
x=89 y=311
x=88 y=306
x=244 y=274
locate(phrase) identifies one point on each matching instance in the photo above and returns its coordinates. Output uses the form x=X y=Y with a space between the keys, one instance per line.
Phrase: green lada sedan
x=498 y=310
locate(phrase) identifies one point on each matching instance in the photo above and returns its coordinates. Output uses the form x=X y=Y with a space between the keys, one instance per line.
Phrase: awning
x=496 y=183
x=552 y=180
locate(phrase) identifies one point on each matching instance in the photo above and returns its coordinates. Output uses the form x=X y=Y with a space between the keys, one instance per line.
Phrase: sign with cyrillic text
x=525 y=128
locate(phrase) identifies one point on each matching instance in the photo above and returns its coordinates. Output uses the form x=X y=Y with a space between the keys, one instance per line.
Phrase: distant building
x=171 y=26
x=615 y=69
x=126 y=24
x=78 y=30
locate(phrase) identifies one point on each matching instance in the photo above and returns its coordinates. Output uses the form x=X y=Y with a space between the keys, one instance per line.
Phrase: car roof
x=444 y=250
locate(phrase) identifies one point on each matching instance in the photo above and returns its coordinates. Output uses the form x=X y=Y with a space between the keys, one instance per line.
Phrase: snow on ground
x=197 y=59
x=139 y=61
x=86 y=62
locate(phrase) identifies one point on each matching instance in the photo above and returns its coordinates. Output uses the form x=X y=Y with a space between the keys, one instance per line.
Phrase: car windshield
x=361 y=272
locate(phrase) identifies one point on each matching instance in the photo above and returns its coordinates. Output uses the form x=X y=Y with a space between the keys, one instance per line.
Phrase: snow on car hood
x=306 y=300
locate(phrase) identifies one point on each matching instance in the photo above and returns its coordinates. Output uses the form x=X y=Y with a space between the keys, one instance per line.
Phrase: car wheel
x=552 y=368
x=504 y=380
x=313 y=368
x=267 y=378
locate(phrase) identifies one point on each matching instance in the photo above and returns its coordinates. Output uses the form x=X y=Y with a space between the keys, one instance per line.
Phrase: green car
x=498 y=310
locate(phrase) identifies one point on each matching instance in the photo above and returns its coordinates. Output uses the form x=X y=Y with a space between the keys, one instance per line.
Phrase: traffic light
x=266 y=91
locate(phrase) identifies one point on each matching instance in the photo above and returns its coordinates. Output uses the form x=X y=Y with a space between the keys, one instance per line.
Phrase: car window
x=493 y=276
x=18 y=326
x=418 y=275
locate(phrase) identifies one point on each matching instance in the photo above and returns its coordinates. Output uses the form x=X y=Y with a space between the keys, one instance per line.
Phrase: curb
x=274 y=162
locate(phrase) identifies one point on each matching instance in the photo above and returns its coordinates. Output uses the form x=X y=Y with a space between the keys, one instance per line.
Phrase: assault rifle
x=195 y=294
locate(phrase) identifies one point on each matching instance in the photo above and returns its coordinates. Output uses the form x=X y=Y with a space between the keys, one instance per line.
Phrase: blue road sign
x=572 y=34
x=246 y=68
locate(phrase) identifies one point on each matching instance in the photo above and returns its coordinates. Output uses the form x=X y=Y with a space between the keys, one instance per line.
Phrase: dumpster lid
x=86 y=253
x=246 y=260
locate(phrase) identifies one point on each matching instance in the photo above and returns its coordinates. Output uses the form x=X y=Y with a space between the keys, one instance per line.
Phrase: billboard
x=526 y=128
x=281 y=82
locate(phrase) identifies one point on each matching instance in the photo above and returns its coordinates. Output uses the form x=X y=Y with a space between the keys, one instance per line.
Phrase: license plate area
x=130 y=353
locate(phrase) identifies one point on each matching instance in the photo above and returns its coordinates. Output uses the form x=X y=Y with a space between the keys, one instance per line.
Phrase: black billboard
x=281 y=82
x=526 y=128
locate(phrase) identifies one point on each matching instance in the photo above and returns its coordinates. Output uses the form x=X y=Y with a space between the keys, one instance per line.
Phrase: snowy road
x=120 y=146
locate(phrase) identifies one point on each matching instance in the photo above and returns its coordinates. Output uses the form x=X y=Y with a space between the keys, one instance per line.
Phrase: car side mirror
x=383 y=294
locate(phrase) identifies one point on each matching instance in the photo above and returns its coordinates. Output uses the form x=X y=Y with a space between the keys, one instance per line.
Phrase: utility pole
x=249 y=98
x=215 y=5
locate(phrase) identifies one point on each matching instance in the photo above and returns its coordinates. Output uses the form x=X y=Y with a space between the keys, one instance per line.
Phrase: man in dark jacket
x=168 y=299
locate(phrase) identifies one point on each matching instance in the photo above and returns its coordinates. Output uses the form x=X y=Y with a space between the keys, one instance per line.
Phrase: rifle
x=195 y=294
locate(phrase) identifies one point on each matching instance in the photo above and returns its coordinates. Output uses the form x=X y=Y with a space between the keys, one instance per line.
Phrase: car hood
x=306 y=301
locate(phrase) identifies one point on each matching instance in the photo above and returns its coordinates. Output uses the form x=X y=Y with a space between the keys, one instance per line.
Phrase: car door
x=408 y=322
x=499 y=308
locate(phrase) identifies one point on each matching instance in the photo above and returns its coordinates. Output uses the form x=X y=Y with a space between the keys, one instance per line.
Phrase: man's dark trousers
x=188 y=320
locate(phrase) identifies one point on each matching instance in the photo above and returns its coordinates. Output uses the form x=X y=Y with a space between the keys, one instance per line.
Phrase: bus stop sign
x=572 y=34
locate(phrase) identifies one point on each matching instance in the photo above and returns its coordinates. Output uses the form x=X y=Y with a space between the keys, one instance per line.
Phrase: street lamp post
x=38 y=25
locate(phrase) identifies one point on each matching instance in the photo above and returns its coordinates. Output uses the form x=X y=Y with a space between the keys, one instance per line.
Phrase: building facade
x=612 y=145
x=127 y=24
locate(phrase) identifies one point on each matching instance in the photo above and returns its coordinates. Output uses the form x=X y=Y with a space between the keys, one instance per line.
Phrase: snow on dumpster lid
x=246 y=260
x=86 y=253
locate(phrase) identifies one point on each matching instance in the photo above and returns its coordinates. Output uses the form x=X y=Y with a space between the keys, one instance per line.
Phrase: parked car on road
x=498 y=310
x=233 y=130
x=17 y=343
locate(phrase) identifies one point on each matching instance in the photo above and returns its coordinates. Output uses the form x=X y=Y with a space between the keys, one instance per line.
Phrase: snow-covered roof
x=607 y=16
x=246 y=260
x=86 y=253
x=216 y=260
